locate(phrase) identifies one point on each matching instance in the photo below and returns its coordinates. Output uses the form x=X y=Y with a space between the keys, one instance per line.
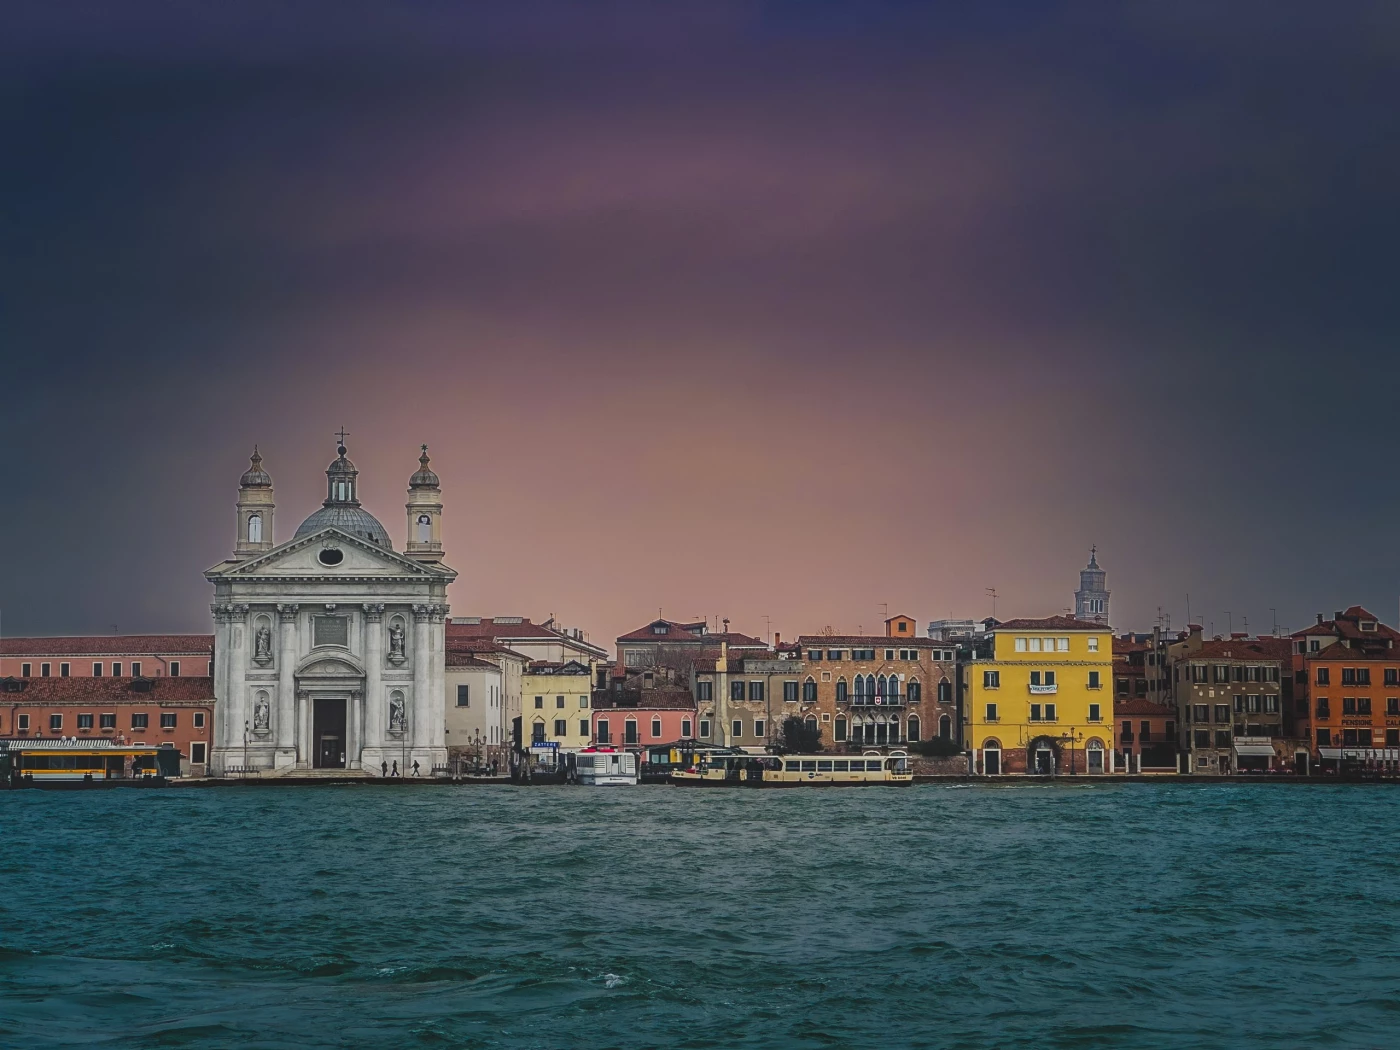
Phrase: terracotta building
x=671 y=644
x=636 y=719
x=1144 y=735
x=874 y=690
x=107 y=656
x=178 y=711
x=1347 y=691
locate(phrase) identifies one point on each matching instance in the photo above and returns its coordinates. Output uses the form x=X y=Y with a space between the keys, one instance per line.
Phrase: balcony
x=1042 y=690
x=877 y=701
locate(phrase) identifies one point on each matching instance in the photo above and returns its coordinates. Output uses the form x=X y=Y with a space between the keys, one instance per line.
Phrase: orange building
x=107 y=656
x=177 y=711
x=1355 y=701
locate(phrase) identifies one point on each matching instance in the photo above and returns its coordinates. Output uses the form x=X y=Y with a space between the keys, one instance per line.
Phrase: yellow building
x=555 y=704
x=1042 y=701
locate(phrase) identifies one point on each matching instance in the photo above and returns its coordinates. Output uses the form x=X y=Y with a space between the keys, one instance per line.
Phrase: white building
x=329 y=647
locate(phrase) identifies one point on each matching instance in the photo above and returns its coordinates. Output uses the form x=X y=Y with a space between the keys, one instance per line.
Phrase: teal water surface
x=1124 y=915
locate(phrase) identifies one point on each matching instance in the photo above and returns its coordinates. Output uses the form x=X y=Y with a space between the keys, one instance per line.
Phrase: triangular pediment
x=330 y=554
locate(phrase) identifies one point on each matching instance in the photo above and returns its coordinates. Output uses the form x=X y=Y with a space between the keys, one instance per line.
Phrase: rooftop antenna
x=768 y=628
x=1246 y=625
x=1188 y=608
x=1273 y=613
x=991 y=592
x=886 y=607
x=1230 y=621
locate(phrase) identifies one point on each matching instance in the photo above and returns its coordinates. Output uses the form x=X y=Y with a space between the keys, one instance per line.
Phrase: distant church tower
x=1091 y=600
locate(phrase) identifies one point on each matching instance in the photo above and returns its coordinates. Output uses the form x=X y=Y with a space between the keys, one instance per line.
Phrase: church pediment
x=320 y=664
x=330 y=554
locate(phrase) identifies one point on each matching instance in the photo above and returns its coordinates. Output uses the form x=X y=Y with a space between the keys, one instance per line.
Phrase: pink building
x=108 y=656
x=642 y=718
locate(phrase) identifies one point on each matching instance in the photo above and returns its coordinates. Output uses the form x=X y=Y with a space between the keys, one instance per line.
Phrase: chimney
x=1319 y=619
x=777 y=640
x=722 y=664
x=1337 y=615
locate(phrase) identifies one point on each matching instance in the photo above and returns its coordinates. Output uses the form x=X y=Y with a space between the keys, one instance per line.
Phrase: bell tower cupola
x=1091 y=600
x=424 y=513
x=255 y=508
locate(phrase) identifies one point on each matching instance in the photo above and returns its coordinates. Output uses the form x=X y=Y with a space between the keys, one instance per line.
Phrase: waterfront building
x=1229 y=695
x=107 y=656
x=546 y=642
x=557 y=704
x=966 y=631
x=1091 y=600
x=167 y=710
x=475 y=711
x=1039 y=702
x=878 y=690
x=503 y=719
x=1144 y=735
x=638 y=718
x=743 y=700
x=329 y=646
x=1351 y=672
x=667 y=643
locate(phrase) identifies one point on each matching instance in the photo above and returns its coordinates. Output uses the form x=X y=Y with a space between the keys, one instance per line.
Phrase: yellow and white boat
x=872 y=767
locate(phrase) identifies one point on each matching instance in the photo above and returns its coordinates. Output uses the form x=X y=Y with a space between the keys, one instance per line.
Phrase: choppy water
x=1048 y=916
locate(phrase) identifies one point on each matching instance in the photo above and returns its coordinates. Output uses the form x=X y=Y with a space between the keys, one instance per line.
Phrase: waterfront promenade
x=1089 y=915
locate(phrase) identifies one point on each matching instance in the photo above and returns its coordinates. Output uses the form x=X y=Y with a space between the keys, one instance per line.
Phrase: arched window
x=841 y=689
x=631 y=730
x=809 y=690
x=254 y=528
x=811 y=724
x=945 y=692
x=894 y=730
x=914 y=728
x=913 y=692
x=840 y=729
x=881 y=686
x=656 y=729
x=425 y=528
x=945 y=728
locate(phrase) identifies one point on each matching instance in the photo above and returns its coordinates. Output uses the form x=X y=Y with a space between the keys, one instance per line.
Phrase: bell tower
x=255 y=508
x=424 y=514
x=1091 y=600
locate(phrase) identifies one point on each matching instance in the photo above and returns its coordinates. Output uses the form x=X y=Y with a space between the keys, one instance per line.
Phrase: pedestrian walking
x=396 y=768
x=384 y=768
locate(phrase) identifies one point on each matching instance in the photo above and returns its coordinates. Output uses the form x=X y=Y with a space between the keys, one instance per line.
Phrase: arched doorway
x=1094 y=753
x=914 y=729
x=945 y=728
x=1043 y=757
x=991 y=758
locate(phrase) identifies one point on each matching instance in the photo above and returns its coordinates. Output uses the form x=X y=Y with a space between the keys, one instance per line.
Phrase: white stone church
x=329 y=647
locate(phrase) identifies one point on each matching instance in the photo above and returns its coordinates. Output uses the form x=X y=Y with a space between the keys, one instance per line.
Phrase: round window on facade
x=331 y=556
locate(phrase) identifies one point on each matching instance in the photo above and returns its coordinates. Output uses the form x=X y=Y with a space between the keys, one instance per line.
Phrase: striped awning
x=1254 y=749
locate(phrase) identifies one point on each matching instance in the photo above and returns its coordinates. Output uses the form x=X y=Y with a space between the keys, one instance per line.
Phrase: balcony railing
x=897 y=700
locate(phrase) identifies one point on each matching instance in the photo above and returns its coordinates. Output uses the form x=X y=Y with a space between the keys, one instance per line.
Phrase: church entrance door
x=328 y=733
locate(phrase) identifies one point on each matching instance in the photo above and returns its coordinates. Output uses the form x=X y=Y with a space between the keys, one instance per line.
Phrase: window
x=97 y=669
x=1202 y=738
x=737 y=729
x=1323 y=711
x=1363 y=705
x=1062 y=644
x=23 y=723
x=1392 y=705
x=24 y=670
x=991 y=679
x=991 y=712
x=539 y=703
x=685 y=728
x=1020 y=645
x=790 y=692
x=1348 y=676
x=1094 y=680
x=108 y=721
x=629 y=731
x=85 y=721
x=175 y=664
x=44 y=670
x=1222 y=712
x=254 y=528
x=139 y=720
x=1049 y=712
x=583 y=701
x=833 y=654
x=656 y=729
x=840 y=733
x=1145 y=731
x=55 y=723
x=1392 y=676
x=1094 y=715
x=1093 y=644
x=889 y=654
x=814 y=655
x=914 y=728
x=464 y=696
x=660 y=628
x=704 y=690
x=116 y=670
x=63 y=670
x=1239 y=703
x=1035 y=712
x=559 y=703
x=760 y=728
x=1392 y=738
x=1348 y=705
x=736 y=690
x=167 y=719
x=841 y=691
x=199 y=719
x=561 y=727
x=136 y=669
x=1324 y=676
x=1271 y=703
x=198 y=753
x=755 y=690
x=1032 y=645
x=1126 y=735
x=704 y=729
x=914 y=691
x=604 y=732
x=809 y=691
x=1222 y=738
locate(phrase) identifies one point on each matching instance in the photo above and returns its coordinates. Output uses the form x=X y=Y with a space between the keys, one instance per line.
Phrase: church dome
x=423 y=478
x=355 y=520
x=255 y=477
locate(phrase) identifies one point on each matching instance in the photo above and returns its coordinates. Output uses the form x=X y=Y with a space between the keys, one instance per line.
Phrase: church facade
x=329 y=646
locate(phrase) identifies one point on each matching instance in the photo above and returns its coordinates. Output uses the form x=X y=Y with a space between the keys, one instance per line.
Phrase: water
x=937 y=916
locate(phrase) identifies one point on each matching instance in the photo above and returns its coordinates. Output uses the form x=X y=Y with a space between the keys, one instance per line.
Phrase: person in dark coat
x=396 y=768
x=384 y=768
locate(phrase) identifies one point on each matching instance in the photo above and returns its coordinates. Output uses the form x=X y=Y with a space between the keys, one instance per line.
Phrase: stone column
x=437 y=725
x=284 y=716
x=223 y=713
x=238 y=672
x=354 y=732
x=422 y=675
x=305 y=746
x=375 y=706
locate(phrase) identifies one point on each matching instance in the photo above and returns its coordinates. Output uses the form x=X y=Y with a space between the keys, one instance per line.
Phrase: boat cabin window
x=873 y=765
x=842 y=765
x=824 y=766
x=809 y=766
x=794 y=767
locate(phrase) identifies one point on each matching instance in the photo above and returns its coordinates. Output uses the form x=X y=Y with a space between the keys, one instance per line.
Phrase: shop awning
x=1255 y=749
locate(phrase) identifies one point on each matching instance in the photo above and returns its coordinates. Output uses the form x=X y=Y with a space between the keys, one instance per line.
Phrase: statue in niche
x=260 y=712
x=262 y=646
x=396 y=712
x=396 y=637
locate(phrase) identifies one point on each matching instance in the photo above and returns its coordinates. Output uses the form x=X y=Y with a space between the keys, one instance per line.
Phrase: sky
x=791 y=313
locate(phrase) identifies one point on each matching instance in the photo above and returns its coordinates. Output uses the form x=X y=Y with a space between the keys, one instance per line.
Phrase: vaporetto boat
x=870 y=768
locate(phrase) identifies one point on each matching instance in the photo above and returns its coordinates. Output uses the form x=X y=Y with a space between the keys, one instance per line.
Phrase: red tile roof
x=1139 y=706
x=1243 y=649
x=482 y=645
x=87 y=690
x=689 y=634
x=467 y=660
x=1051 y=623
x=643 y=700
x=110 y=645
x=867 y=641
x=487 y=627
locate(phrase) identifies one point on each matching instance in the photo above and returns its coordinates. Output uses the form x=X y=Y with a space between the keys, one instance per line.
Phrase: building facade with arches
x=329 y=646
